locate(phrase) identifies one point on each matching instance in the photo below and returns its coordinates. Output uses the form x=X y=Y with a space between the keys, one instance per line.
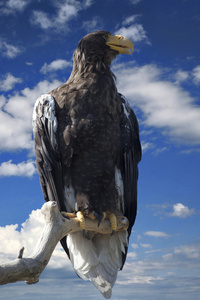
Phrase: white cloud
x=189 y=251
x=12 y=240
x=42 y=19
x=181 y=211
x=15 y=125
x=196 y=74
x=160 y=150
x=146 y=245
x=12 y=6
x=134 y=246
x=130 y=20
x=157 y=234
x=146 y=146
x=9 y=51
x=29 y=63
x=181 y=76
x=8 y=82
x=164 y=104
x=92 y=25
x=132 y=30
x=164 y=271
x=132 y=255
x=58 y=64
x=65 y=11
x=23 y=169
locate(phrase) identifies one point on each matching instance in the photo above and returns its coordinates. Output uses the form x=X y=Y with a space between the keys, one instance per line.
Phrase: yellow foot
x=79 y=215
x=113 y=221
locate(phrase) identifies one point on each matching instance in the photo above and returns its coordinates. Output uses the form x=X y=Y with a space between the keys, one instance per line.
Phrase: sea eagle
x=87 y=150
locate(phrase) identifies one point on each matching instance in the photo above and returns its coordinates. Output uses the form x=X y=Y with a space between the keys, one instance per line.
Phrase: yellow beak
x=120 y=44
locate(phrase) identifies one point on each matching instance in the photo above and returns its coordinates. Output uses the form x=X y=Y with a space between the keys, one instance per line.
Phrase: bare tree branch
x=56 y=227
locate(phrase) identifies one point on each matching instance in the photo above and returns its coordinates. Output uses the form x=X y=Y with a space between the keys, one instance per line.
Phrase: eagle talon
x=99 y=217
x=85 y=234
x=64 y=215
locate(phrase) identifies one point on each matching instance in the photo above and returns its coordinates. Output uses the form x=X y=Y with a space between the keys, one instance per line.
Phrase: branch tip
x=21 y=251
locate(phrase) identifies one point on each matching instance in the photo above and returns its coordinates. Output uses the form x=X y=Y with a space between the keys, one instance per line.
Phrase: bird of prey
x=87 y=153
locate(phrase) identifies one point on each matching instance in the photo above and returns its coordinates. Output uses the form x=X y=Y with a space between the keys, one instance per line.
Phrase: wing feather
x=47 y=155
x=130 y=157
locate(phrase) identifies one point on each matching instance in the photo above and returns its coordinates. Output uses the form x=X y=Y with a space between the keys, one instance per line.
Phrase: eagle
x=87 y=150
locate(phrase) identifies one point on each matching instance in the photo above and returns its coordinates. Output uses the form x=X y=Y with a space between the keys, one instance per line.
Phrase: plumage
x=87 y=150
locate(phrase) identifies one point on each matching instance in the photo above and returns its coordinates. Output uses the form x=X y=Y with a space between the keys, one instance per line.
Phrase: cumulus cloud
x=64 y=12
x=165 y=105
x=181 y=211
x=132 y=30
x=8 y=82
x=15 y=125
x=23 y=169
x=9 y=51
x=181 y=76
x=41 y=19
x=12 y=240
x=58 y=64
x=12 y=6
x=157 y=234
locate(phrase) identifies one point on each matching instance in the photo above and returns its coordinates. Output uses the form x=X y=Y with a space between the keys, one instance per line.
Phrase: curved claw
x=85 y=234
x=64 y=215
x=99 y=217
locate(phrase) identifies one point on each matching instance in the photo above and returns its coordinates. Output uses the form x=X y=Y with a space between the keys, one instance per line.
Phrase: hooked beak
x=120 y=43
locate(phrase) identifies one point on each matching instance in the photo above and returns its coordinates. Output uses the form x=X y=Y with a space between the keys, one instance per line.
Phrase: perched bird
x=87 y=150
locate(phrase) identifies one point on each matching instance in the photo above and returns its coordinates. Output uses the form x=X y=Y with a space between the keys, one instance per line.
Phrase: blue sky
x=161 y=80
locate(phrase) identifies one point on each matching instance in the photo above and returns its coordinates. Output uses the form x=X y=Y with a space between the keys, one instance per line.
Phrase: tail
x=98 y=259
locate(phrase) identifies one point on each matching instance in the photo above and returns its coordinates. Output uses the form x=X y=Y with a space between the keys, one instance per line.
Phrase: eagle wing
x=46 y=150
x=48 y=161
x=130 y=157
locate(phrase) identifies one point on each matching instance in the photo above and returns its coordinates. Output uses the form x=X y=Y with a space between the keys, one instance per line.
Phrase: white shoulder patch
x=120 y=190
x=125 y=111
x=45 y=109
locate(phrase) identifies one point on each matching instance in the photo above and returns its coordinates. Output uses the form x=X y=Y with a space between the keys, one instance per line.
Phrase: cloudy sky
x=161 y=80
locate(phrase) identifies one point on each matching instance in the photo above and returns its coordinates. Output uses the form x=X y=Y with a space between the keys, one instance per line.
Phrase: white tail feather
x=98 y=259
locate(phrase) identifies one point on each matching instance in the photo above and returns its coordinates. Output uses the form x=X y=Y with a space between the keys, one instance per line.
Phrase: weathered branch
x=56 y=227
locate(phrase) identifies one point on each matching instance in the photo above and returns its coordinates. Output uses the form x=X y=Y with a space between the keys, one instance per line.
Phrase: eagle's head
x=102 y=46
